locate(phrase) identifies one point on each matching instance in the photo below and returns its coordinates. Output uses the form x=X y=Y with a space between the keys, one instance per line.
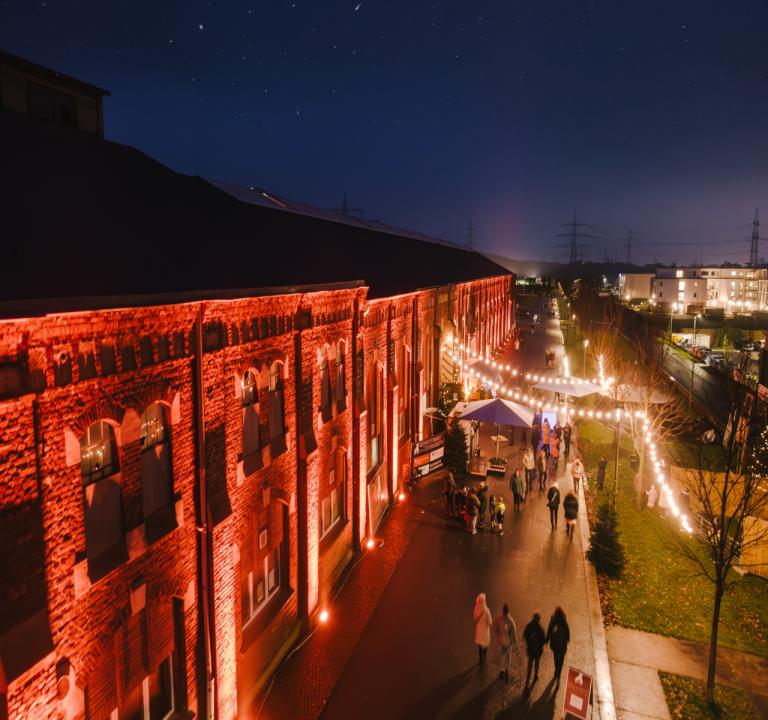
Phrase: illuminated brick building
x=188 y=464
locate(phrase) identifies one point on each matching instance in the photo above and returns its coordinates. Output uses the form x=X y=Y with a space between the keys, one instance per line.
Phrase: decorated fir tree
x=456 y=450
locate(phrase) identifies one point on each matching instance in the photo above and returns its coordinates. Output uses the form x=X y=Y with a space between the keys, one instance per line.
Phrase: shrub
x=606 y=552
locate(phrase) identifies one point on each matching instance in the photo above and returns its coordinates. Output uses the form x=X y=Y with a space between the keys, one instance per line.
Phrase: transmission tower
x=469 y=238
x=345 y=209
x=630 y=233
x=575 y=235
x=754 y=247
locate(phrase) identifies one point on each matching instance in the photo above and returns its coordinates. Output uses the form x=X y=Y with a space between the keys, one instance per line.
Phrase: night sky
x=650 y=116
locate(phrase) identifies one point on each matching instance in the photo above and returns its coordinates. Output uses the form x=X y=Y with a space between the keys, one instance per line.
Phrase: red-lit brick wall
x=74 y=369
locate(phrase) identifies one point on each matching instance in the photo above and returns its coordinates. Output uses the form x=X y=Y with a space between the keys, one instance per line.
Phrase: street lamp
x=584 y=358
x=695 y=318
x=693 y=366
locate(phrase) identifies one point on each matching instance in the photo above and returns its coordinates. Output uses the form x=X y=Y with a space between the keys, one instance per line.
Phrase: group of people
x=550 y=359
x=473 y=504
x=557 y=636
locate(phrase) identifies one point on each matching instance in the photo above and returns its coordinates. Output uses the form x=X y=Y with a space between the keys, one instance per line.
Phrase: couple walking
x=503 y=628
x=570 y=508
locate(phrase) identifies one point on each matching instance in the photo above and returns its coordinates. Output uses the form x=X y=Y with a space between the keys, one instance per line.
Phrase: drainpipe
x=203 y=526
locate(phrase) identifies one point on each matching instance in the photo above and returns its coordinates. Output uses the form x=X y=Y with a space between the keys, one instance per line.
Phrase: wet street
x=417 y=658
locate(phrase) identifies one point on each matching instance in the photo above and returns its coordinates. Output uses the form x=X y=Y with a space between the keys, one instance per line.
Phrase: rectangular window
x=332 y=509
x=152 y=699
x=260 y=562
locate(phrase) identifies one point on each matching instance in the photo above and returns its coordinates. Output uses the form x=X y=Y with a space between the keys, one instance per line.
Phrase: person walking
x=571 y=511
x=483 y=623
x=554 y=453
x=577 y=472
x=535 y=437
x=501 y=508
x=506 y=636
x=553 y=503
x=529 y=464
x=558 y=637
x=541 y=469
x=482 y=496
x=473 y=510
x=534 y=647
x=601 y=466
x=450 y=494
x=516 y=486
x=546 y=433
x=567 y=432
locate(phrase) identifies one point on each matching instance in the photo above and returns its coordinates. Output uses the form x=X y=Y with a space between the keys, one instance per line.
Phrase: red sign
x=578 y=689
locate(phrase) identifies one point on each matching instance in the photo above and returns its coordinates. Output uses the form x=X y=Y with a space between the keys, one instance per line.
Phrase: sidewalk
x=636 y=658
x=305 y=682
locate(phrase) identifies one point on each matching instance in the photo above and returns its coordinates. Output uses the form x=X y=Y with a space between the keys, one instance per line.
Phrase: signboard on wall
x=428 y=456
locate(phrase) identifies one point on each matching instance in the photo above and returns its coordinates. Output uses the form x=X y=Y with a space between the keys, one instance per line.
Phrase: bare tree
x=730 y=507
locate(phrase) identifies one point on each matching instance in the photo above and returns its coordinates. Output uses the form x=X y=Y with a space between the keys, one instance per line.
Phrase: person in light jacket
x=483 y=623
x=506 y=635
x=529 y=463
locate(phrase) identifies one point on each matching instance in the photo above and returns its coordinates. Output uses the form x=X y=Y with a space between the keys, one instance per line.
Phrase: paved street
x=708 y=387
x=417 y=658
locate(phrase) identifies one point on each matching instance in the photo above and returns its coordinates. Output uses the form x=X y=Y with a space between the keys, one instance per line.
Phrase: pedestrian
x=567 y=432
x=554 y=452
x=450 y=494
x=516 y=486
x=506 y=636
x=601 y=472
x=577 y=471
x=529 y=465
x=545 y=436
x=541 y=469
x=535 y=437
x=473 y=510
x=534 y=647
x=553 y=503
x=571 y=511
x=482 y=496
x=558 y=430
x=652 y=495
x=483 y=623
x=558 y=637
x=501 y=508
x=492 y=511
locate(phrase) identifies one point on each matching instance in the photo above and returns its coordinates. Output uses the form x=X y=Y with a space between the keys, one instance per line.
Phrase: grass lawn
x=685 y=699
x=660 y=591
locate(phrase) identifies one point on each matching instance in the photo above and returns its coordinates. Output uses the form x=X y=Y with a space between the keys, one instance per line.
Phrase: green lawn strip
x=660 y=591
x=685 y=699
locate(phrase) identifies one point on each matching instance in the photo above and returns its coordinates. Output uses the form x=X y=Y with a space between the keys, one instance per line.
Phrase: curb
x=606 y=705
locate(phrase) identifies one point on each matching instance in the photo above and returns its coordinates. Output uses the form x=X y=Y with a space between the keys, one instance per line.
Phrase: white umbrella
x=573 y=386
x=499 y=411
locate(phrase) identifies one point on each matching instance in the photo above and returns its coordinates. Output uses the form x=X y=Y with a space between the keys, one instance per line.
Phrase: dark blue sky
x=651 y=116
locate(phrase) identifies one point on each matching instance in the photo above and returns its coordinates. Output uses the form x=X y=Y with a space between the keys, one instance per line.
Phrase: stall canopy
x=499 y=411
x=572 y=386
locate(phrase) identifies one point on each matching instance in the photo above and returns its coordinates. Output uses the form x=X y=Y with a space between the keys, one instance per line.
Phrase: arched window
x=251 y=431
x=341 y=379
x=375 y=403
x=156 y=472
x=102 y=499
x=326 y=410
x=276 y=410
x=404 y=384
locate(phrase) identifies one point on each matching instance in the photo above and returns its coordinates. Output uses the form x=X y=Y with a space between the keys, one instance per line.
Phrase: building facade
x=737 y=289
x=184 y=483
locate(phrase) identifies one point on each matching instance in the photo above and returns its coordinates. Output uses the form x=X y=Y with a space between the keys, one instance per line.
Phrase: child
x=500 y=509
x=492 y=508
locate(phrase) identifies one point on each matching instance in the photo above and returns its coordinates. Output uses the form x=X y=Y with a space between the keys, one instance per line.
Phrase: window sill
x=333 y=534
x=100 y=566
x=259 y=622
x=374 y=471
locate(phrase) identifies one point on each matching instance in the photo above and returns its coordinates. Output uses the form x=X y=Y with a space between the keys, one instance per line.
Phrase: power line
x=345 y=209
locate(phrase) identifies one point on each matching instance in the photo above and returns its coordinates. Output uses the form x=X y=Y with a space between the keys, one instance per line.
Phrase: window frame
x=105 y=471
x=145 y=697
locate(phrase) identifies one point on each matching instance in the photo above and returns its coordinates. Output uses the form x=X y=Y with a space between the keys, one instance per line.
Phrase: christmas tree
x=606 y=552
x=456 y=450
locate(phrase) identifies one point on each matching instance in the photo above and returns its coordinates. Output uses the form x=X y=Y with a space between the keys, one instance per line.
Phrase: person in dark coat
x=558 y=637
x=482 y=496
x=534 y=647
x=450 y=494
x=571 y=511
x=516 y=486
x=535 y=438
x=553 y=503
x=601 y=466
x=567 y=432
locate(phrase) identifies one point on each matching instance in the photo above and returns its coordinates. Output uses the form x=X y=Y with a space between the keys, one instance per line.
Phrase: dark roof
x=53 y=76
x=87 y=217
